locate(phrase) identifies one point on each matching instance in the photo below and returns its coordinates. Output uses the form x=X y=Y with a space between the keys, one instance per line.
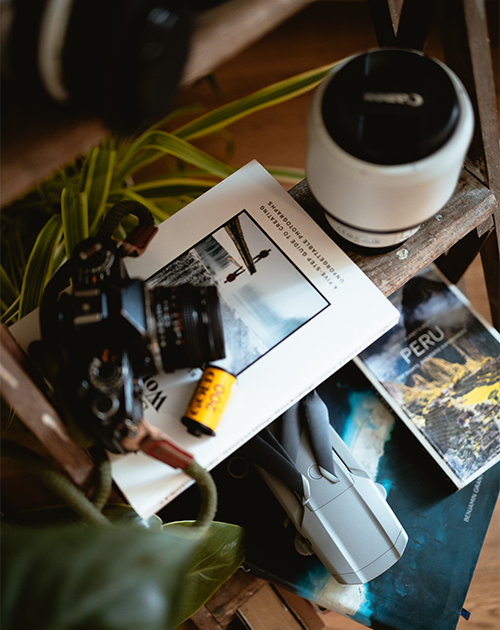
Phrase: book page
x=304 y=312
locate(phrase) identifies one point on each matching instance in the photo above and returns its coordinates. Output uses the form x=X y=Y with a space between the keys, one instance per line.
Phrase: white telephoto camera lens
x=387 y=135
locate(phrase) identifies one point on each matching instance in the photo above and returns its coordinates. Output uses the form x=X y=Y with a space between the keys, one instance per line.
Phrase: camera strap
x=158 y=445
x=153 y=442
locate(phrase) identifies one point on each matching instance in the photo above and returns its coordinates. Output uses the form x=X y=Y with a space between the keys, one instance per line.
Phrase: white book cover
x=439 y=370
x=306 y=311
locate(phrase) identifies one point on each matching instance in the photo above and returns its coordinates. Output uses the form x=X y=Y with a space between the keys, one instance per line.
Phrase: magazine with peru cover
x=439 y=369
x=304 y=312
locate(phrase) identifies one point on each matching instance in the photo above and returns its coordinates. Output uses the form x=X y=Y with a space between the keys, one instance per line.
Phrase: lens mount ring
x=180 y=321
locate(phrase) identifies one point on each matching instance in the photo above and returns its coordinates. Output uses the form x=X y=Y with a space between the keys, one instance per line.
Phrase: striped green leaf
x=134 y=164
x=75 y=218
x=287 y=175
x=8 y=292
x=267 y=97
x=165 y=187
x=40 y=264
x=167 y=143
x=11 y=314
x=127 y=193
x=15 y=252
x=89 y=169
x=194 y=108
x=96 y=183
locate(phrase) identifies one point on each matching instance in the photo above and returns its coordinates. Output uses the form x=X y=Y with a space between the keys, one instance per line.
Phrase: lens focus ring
x=187 y=326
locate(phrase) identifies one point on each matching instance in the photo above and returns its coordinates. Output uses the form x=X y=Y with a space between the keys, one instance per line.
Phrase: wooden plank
x=224 y=31
x=232 y=595
x=220 y=609
x=266 y=611
x=490 y=257
x=21 y=390
x=455 y=262
x=203 y=620
x=471 y=204
x=302 y=608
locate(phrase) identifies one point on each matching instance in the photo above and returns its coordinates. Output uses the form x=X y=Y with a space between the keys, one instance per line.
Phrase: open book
x=439 y=369
x=305 y=312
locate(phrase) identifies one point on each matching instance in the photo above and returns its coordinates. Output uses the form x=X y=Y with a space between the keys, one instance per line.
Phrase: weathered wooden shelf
x=471 y=206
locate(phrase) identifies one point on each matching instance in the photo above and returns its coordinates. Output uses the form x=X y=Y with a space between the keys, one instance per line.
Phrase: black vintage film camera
x=111 y=332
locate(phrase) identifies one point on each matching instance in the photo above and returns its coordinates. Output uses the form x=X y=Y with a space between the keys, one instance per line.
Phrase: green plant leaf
x=165 y=187
x=267 y=97
x=39 y=266
x=82 y=576
x=194 y=108
x=96 y=182
x=127 y=193
x=287 y=175
x=214 y=561
x=19 y=252
x=134 y=164
x=75 y=218
x=167 y=143
x=8 y=291
x=11 y=314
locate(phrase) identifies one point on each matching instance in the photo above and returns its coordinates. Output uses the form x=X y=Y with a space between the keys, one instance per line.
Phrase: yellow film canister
x=209 y=401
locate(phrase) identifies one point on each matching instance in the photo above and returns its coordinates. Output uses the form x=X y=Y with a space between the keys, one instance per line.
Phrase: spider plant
x=40 y=230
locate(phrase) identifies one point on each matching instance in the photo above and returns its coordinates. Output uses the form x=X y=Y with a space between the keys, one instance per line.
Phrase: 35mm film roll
x=209 y=401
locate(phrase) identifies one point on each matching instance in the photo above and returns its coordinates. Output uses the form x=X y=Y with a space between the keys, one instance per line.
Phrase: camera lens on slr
x=188 y=325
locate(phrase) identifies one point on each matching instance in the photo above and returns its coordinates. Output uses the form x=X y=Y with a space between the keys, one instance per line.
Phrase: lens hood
x=388 y=132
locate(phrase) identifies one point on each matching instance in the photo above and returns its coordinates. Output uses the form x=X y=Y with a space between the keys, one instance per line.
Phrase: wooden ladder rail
x=467 y=52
